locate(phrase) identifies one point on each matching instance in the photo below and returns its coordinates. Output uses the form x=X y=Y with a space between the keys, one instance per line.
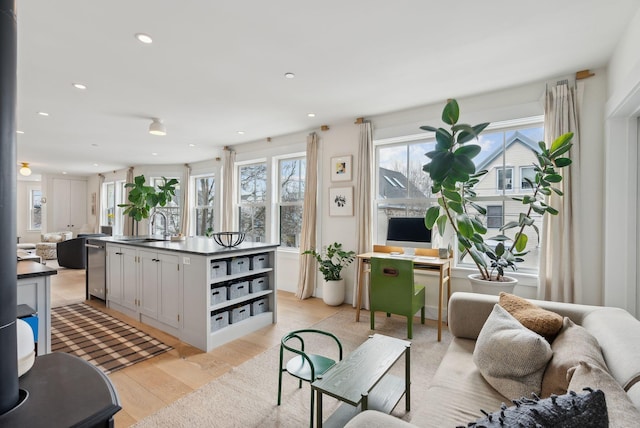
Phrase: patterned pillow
x=585 y=410
x=510 y=357
x=542 y=321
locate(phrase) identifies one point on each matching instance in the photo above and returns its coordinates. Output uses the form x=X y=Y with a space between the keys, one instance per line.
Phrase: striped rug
x=101 y=339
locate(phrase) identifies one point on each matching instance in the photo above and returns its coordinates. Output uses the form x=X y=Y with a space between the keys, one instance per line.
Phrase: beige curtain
x=364 y=216
x=96 y=227
x=559 y=276
x=228 y=183
x=307 y=275
x=185 y=188
x=127 y=228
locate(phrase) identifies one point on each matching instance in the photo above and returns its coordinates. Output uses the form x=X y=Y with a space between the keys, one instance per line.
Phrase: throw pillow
x=572 y=345
x=542 y=321
x=622 y=412
x=509 y=356
x=572 y=410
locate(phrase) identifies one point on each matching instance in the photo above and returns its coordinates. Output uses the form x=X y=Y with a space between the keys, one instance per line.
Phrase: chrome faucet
x=153 y=223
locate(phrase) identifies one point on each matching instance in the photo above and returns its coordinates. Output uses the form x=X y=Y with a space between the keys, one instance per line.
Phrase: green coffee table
x=362 y=381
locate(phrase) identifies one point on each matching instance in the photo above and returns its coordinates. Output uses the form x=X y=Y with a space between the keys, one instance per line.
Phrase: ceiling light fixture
x=240 y=132
x=289 y=75
x=79 y=86
x=144 y=38
x=25 y=170
x=157 y=128
x=311 y=115
x=43 y=113
x=19 y=132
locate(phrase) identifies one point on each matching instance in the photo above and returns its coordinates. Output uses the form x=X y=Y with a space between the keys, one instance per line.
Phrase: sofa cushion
x=622 y=412
x=542 y=321
x=572 y=345
x=511 y=357
x=587 y=409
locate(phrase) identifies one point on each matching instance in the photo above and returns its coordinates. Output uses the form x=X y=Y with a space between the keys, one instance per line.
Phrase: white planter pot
x=333 y=292
x=479 y=285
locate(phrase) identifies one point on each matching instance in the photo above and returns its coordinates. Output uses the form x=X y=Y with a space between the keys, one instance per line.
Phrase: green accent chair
x=394 y=292
x=306 y=367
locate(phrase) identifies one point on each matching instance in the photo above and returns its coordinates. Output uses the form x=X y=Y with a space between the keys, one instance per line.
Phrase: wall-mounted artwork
x=341 y=168
x=341 y=201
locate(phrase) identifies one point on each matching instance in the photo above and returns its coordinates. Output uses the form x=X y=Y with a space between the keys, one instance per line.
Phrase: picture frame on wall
x=341 y=168
x=341 y=201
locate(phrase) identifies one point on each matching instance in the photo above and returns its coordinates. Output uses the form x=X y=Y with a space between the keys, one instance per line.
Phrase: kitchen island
x=202 y=293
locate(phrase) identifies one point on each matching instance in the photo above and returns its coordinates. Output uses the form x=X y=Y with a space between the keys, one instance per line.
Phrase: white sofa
x=47 y=247
x=458 y=391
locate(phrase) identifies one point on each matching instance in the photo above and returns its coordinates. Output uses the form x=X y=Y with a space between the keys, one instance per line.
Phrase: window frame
x=31 y=208
x=253 y=205
x=280 y=204
x=213 y=207
x=171 y=228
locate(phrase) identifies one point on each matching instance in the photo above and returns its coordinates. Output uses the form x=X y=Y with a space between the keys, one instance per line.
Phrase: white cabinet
x=69 y=203
x=121 y=276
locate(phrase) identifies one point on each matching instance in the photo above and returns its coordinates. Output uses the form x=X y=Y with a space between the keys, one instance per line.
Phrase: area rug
x=99 y=338
x=247 y=395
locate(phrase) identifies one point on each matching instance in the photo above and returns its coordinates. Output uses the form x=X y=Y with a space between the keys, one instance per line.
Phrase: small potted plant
x=454 y=176
x=331 y=261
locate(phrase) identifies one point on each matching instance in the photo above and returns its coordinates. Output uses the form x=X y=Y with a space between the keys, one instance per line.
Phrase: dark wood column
x=8 y=288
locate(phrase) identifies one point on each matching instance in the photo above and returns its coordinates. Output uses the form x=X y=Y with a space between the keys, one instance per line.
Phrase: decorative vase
x=479 y=285
x=333 y=292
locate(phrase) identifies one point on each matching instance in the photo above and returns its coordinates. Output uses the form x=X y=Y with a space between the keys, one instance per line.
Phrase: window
x=505 y=178
x=291 y=179
x=113 y=194
x=252 y=185
x=172 y=210
x=205 y=204
x=527 y=172
x=494 y=216
x=35 y=209
x=109 y=204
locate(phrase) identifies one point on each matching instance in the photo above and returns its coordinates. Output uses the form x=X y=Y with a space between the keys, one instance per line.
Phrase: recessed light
x=43 y=113
x=154 y=154
x=289 y=75
x=192 y=145
x=95 y=164
x=95 y=145
x=144 y=38
x=241 y=132
x=64 y=172
x=19 y=132
x=79 y=86
x=311 y=115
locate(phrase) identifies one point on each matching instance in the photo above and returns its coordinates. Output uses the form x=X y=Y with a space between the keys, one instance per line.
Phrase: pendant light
x=157 y=128
x=25 y=170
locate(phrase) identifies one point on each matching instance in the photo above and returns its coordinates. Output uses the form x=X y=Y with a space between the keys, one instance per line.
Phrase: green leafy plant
x=143 y=198
x=454 y=177
x=331 y=260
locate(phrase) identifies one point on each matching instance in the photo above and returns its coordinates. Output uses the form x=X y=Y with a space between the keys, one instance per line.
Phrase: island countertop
x=199 y=245
x=31 y=269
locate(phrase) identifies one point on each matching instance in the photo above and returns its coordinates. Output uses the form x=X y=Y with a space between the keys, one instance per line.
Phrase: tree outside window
x=252 y=180
x=205 y=204
x=291 y=177
x=172 y=210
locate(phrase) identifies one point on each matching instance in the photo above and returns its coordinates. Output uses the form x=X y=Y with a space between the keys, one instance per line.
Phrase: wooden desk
x=423 y=263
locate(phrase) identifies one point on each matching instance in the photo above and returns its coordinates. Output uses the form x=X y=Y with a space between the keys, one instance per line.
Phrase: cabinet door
x=149 y=274
x=129 y=278
x=69 y=204
x=114 y=274
x=169 y=290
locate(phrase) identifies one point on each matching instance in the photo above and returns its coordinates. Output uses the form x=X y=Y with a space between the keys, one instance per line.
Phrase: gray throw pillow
x=572 y=410
x=510 y=357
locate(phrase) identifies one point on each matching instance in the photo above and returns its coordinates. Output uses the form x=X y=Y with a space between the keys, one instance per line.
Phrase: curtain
x=364 y=216
x=185 y=187
x=559 y=276
x=228 y=181
x=127 y=229
x=96 y=227
x=307 y=275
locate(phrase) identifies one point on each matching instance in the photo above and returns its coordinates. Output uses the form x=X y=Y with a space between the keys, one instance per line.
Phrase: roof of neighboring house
x=517 y=137
x=394 y=184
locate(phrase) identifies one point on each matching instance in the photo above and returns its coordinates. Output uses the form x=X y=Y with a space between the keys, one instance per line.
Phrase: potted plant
x=331 y=261
x=454 y=177
x=143 y=198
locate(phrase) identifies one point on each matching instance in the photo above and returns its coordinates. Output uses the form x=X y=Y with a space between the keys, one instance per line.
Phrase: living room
x=608 y=173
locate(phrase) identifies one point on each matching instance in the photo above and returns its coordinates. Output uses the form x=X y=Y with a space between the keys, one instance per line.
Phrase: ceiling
x=217 y=67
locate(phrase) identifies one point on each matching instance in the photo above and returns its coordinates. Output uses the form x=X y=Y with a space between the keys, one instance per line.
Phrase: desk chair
x=306 y=367
x=394 y=292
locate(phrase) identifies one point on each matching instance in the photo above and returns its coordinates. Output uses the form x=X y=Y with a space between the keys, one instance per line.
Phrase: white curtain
x=364 y=216
x=307 y=275
x=559 y=276
x=228 y=183
x=96 y=227
x=185 y=188
x=127 y=230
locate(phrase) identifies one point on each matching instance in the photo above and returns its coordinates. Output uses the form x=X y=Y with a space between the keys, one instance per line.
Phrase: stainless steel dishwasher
x=96 y=269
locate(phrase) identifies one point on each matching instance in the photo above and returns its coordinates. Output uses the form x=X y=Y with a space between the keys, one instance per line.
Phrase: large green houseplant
x=331 y=260
x=144 y=198
x=454 y=176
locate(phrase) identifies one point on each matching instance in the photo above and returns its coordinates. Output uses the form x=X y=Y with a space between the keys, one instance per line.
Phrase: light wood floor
x=148 y=386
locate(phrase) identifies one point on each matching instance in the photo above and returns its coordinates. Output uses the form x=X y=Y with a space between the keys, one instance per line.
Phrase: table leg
x=440 y=295
x=359 y=293
x=407 y=378
x=318 y=409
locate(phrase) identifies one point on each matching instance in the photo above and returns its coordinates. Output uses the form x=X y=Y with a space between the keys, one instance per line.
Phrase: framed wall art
x=341 y=168
x=341 y=201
